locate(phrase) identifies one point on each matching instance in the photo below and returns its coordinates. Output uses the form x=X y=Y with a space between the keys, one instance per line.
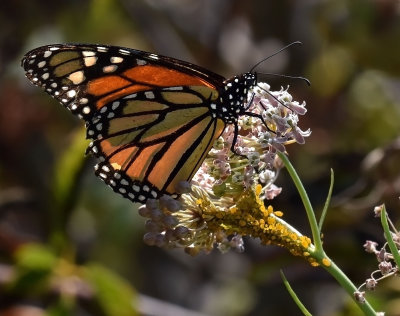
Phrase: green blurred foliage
x=80 y=235
x=34 y=264
x=115 y=296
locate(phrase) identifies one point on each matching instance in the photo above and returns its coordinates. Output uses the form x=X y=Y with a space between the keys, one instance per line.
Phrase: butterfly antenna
x=282 y=49
x=286 y=76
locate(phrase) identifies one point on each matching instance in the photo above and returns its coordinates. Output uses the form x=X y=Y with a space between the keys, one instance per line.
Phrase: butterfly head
x=234 y=97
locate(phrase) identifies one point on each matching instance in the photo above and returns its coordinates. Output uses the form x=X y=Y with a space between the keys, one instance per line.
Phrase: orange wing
x=150 y=144
x=150 y=116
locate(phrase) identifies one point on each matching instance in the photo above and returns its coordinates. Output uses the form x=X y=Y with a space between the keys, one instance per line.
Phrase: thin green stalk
x=306 y=202
x=327 y=203
x=388 y=236
x=348 y=286
x=319 y=253
x=294 y=296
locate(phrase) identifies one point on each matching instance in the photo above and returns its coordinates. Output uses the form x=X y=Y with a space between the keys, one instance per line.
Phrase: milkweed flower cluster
x=226 y=198
x=387 y=266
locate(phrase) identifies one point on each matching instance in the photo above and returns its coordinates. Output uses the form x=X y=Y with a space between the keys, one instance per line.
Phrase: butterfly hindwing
x=146 y=141
x=150 y=117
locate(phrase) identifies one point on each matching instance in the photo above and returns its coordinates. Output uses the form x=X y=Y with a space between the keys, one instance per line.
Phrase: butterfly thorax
x=234 y=96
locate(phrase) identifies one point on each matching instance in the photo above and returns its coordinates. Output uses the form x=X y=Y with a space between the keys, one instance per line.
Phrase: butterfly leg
x=234 y=140
x=250 y=102
x=233 y=149
x=259 y=116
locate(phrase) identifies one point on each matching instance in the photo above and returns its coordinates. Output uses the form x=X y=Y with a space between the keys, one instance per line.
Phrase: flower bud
x=169 y=221
x=385 y=267
x=144 y=211
x=360 y=296
x=181 y=231
x=152 y=226
x=150 y=238
x=183 y=187
x=371 y=284
x=378 y=210
x=370 y=246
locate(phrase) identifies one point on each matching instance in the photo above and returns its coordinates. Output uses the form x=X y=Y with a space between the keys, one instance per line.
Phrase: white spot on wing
x=124 y=51
x=153 y=56
x=105 y=168
x=131 y=96
x=179 y=88
x=71 y=93
x=149 y=95
x=88 y=53
x=135 y=188
x=90 y=61
x=116 y=60
x=122 y=190
x=115 y=105
x=109 y=68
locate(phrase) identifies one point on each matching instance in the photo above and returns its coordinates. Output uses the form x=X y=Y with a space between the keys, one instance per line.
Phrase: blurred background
x=70 y=246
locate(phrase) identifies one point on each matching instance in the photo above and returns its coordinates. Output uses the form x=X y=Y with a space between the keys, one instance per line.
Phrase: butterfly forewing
x=152 y=118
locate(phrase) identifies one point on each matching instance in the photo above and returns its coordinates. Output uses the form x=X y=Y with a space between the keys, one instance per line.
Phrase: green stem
x=294 y=296
x=319 y=253
x=306 y=202
x=348 y=286
x=327 y=203
x=388 y=236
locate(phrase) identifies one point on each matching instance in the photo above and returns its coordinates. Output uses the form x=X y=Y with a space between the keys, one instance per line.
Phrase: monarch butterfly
x=152 y=119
